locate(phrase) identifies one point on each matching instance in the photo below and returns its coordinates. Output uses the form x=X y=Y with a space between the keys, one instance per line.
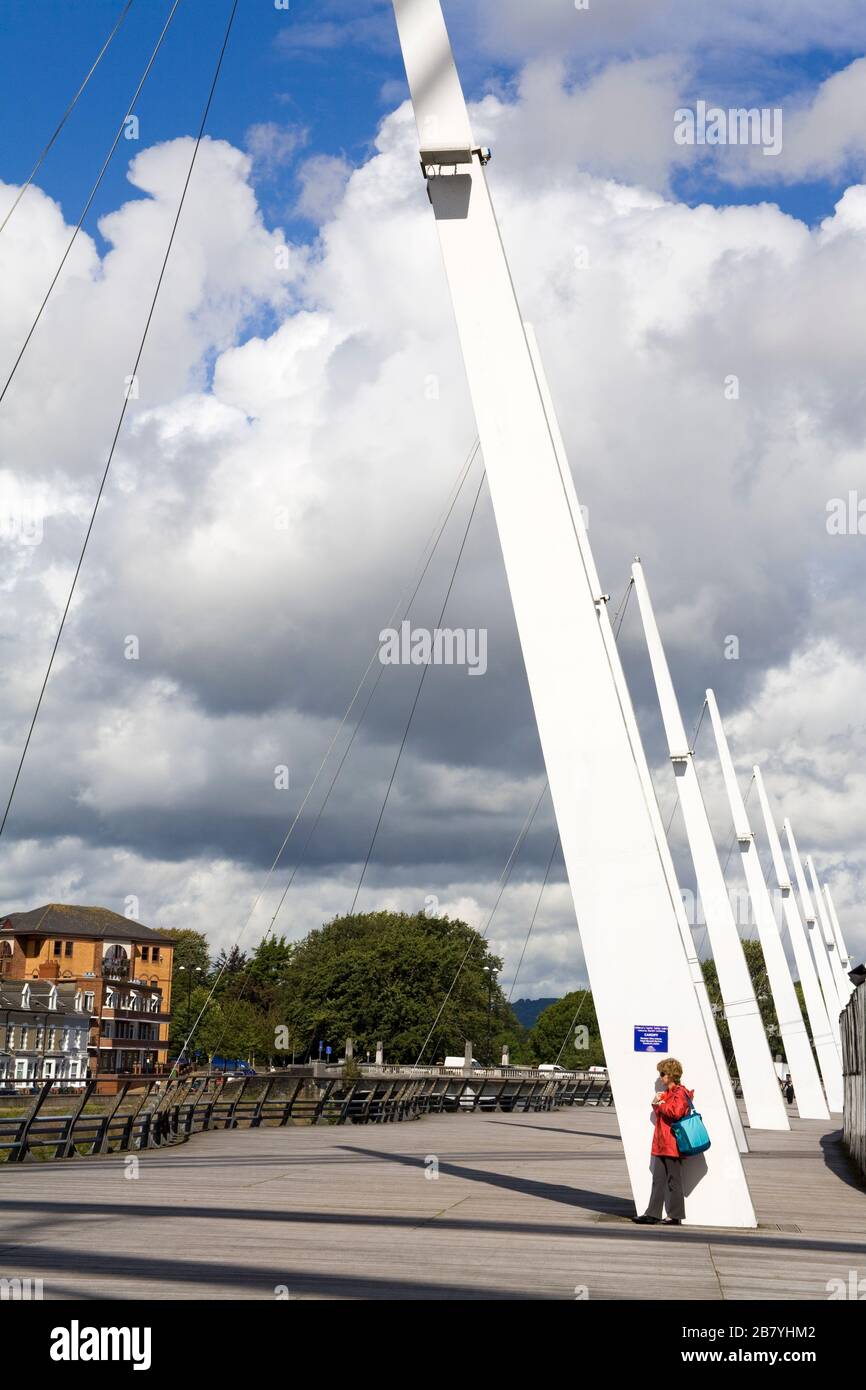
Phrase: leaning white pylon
x=840 y=940
x=811 y=1104
x=840 y=978
x=816 y=939
x=829 y=1060
x=639 y=976
x=638 y=751
x=765 y=1105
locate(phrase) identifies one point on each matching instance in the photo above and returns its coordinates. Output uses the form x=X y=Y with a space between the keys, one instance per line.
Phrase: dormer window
x=52 y=998
x=25 y=997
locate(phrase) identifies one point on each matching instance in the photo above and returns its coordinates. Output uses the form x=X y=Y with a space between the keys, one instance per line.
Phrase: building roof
x=40 y=992
x=61 y=919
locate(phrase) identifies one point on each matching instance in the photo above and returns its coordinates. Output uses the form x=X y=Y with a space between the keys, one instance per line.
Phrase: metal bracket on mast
x=445 y=163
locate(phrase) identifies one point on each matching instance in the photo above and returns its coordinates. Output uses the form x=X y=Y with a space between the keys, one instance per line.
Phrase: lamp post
x=193 y=970
x=490 y=973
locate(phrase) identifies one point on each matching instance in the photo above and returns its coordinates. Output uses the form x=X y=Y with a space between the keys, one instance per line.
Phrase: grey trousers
x=667 y=1188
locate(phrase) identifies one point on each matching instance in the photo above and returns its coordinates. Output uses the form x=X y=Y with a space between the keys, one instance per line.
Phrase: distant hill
x=527 y=1010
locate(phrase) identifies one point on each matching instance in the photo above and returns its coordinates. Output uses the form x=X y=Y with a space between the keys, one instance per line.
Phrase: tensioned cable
x=583 y=999
x=692 y=747
x=417 y=697
x=122 y=415
x=703 y=941
x=405 y=605
x=619 y=616
x=406 y=609
x=503 y=882
x=67 y=113
x=150 y=62
x=534 y=915
x=509 y=863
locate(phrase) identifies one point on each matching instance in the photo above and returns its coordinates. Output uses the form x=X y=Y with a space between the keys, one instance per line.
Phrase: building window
x=88 y=1003
x=25 y=1038
x=21 y=1069
x=67 y=948
x=40 y=1035
x=154 y=955
x=58 y=947
x=144 y=951
x=51 y=1042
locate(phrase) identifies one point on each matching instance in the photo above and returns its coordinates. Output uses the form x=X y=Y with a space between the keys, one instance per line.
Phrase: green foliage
x=190 y=950
x=556 y=1026
x=385 y=975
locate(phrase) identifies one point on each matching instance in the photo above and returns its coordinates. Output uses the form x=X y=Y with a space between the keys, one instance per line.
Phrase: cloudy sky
x=301 y=414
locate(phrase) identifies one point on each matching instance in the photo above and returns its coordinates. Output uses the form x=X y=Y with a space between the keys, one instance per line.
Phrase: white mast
x=811 y=1104
x=840 y=978
x=639 y=754
x=816 y=940
x=840 y=940
x=765 y=1105
x=829 y=1060
x=637 y=968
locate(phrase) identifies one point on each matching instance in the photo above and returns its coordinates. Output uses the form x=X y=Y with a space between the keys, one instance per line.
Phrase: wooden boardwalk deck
x=524 y=1207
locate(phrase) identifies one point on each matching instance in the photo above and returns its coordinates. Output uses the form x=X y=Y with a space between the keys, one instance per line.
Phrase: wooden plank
x=525 y=1206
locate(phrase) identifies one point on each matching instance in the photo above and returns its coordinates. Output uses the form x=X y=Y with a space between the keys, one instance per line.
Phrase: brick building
x=121 y=968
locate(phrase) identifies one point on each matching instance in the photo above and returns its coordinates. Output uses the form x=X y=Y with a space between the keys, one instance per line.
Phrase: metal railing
x=158 y=1113
x=853 y=1025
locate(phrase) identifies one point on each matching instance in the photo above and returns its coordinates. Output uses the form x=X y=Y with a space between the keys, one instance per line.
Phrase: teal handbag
x=690 y=1133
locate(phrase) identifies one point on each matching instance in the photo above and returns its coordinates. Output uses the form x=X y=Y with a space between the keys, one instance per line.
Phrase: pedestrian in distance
x=672 y=1103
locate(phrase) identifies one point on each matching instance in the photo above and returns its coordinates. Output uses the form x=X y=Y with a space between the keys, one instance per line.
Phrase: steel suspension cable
x=406 y=609
x=122 y=415
x=84 y=211
x=67 y=113
x=534 y=915
x=503 y=882
x=402 y=603
x=417 y=697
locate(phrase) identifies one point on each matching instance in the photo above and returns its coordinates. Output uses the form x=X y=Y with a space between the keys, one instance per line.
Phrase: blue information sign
x=647 y=1039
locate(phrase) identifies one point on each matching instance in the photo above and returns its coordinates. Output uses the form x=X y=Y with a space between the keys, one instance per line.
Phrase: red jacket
x=673 y=1105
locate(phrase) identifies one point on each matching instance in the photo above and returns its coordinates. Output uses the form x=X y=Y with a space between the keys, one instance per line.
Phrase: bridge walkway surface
x=529 y=1206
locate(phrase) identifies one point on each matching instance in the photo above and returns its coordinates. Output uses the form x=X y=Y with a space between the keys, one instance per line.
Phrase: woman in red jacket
x=673 y=1103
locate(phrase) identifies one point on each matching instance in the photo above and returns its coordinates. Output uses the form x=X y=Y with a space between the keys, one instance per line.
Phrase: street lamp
x=490 y=973
x=196 y=970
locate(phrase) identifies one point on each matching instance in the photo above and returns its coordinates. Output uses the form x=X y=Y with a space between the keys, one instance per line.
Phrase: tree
x=553 y=1037
x=387 y=975
x=228 y=970
x=190 y=950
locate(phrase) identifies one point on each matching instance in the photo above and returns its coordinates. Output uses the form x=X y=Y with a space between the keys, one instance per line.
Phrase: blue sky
x=327 y=67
